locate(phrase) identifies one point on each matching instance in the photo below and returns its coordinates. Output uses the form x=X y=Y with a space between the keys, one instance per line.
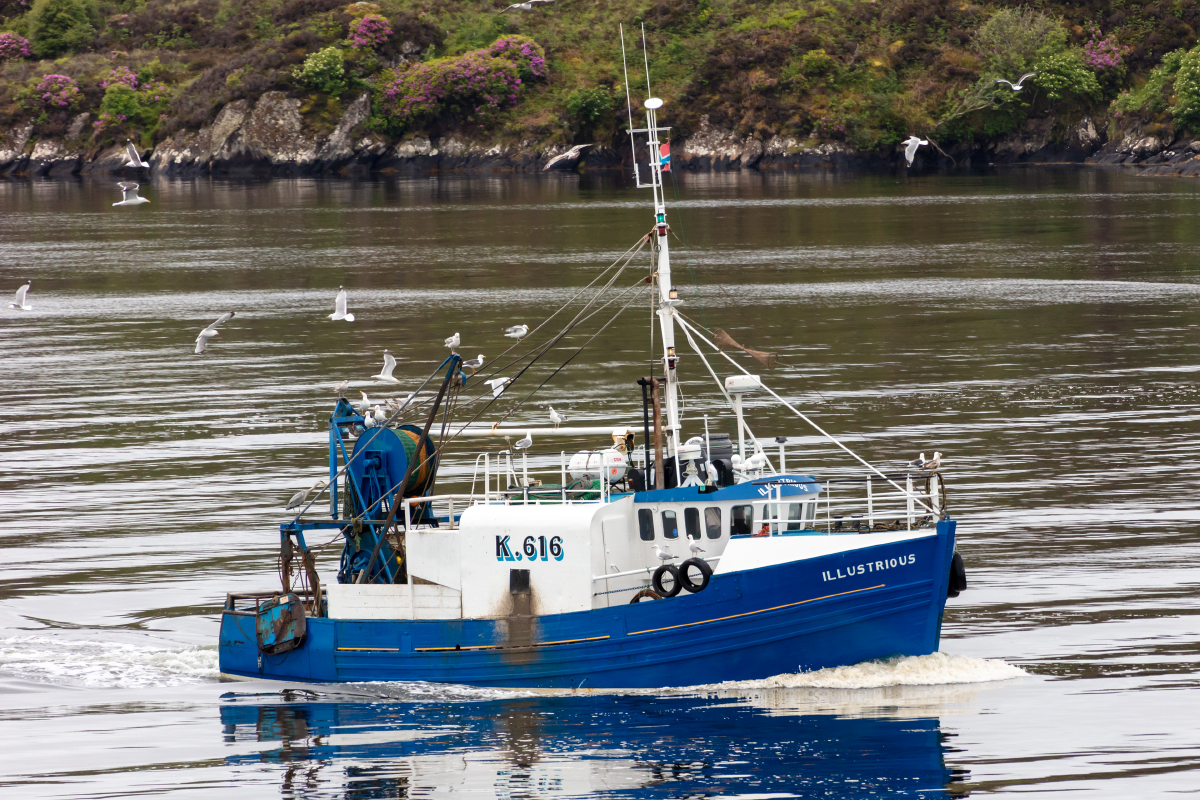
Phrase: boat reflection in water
x=774 y=742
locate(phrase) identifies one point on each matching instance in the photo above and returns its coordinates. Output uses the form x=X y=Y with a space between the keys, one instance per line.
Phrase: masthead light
x=654 y=103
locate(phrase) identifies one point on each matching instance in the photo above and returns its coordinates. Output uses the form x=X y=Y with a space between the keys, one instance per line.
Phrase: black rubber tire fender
x=656 y=580
x=958 y=577
x=685 y=580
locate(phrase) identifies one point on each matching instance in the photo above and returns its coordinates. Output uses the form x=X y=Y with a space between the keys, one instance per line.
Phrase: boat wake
x=94 y=664
x=935 y=669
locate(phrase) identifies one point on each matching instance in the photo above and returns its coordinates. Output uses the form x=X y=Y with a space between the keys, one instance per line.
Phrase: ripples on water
x=1038 y=328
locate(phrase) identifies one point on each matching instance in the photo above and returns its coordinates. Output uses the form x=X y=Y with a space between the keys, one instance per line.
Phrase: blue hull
x=800 y=616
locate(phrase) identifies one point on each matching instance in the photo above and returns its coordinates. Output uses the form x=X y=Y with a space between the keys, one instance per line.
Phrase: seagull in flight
x=1016 y=87
x=525 y=6
x=524 y=444
x=663 y=553
x=917 y=462
x=20 y=304
x=131 y=153
x=910 y=148
x=516 y=332
x=211 y=331
x=453 y=342
x=129 y=195
x=556 y=417
x=385 y=373
x=498 y=385
x=339 y=307
x=571 y=154
x=474 y=364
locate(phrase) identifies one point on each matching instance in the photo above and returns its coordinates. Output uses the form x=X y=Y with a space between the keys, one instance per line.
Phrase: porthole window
x=712 y=522
x=691 y=522
x=646 y=524
x=670 y=525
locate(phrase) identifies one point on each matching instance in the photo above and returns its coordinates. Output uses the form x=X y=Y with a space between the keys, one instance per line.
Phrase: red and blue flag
x=664 y=157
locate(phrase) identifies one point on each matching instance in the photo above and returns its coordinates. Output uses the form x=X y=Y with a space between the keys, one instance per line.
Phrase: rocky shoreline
x=269 y=138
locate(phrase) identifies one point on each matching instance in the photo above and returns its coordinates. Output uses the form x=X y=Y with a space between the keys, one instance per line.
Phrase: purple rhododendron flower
x=120 y=75
x=371 y=31
x=1102 y=54
x=58 y=90
x=13 y=47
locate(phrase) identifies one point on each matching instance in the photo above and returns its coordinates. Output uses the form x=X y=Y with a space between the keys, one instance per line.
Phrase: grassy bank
x=866 y=72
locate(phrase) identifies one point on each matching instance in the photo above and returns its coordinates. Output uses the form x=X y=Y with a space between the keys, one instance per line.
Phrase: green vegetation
x=866 y=72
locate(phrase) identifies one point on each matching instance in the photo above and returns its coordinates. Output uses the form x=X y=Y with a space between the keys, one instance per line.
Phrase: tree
x=60 y=26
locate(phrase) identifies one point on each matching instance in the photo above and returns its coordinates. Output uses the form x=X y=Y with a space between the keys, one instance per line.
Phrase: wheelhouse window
x=691 y=522
x=670 y=524
x=795 y=516
x=646 y=524
x=712 y=522
x=741 y=521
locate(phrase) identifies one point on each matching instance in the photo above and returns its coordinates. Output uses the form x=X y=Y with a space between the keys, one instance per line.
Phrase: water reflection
x=618 y=746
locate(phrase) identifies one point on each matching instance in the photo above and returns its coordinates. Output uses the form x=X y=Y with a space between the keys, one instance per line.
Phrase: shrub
x=13 y=47
x=126 y=108
x=590 y=106
x=525 y=53
x=1152 y=97
x=324 y=70
x=1013 y=39
x=1064 y=75
x=473 y=87
x=121 y=75
x=60 y=26
x=1103 y=54
x=1186 y=108
x=58 y=91
x=815 y=63
x=369 y=32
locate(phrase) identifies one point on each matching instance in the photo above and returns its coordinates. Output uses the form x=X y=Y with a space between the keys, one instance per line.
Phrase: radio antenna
x=646 y=58
x=625 y=67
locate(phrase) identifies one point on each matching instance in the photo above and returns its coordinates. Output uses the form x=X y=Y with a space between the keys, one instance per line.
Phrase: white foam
x=98 y=664
x=935 y=669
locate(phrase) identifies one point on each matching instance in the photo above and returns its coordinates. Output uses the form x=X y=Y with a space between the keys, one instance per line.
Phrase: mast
x=668 y=298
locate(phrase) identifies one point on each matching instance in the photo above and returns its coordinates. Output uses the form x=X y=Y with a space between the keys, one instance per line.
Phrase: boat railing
x=859 y=505
x=501 y=481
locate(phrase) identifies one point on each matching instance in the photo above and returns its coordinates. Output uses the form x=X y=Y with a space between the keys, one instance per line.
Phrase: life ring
x=656 y=580
x=643 y=594
x=685 y=579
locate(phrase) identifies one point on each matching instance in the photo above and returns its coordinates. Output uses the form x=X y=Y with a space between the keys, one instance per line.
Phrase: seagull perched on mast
x=910 y=148
x=556 y=418
x=516 y=331
x=300 y=497
x=129 y=195
x=932 y=464
x=211 y=331
x=525 y=6
x=339 y=308
x=524 y=444
x=20 y=304
x=385 y=373
x=131 y=153
x=453 y=342
x=1016 y=87
x=474 y=364
x=341 y=388
x=917 y=462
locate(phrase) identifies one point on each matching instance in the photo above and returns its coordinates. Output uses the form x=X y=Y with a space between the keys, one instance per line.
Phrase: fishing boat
x=666 y=554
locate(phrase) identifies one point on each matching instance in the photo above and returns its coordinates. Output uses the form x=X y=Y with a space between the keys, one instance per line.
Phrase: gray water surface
x=1039 y=328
